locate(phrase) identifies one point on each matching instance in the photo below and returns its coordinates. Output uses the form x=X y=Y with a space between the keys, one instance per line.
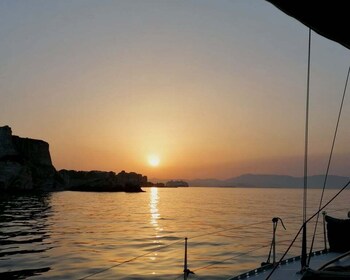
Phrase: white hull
x=290 y=268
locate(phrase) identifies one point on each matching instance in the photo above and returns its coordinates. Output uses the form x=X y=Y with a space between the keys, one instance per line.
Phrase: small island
x=176 y=184
x=168 y=184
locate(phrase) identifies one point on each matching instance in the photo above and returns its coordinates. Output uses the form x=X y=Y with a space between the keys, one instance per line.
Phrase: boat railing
x=264 y=265
x=191 y=262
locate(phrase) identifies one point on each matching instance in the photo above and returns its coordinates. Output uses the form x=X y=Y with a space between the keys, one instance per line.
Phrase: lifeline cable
x=329 y=163
x=230 y=258
x=129 y=260
x=165 y=246
x=304 y=249
x=309 y=219
x=176 y=242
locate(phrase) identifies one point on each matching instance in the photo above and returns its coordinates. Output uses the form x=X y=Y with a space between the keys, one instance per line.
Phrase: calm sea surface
x=74 y=235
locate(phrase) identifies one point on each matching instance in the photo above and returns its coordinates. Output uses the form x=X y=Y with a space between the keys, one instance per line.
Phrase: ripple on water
x=70 y=235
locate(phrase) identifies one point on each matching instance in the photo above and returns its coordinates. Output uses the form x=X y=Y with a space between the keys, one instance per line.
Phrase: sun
x=153 y=160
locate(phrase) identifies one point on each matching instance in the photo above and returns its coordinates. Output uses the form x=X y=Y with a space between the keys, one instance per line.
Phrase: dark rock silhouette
x=25 y=164
x=176 y=183
x=102 y=181
x=168 y=184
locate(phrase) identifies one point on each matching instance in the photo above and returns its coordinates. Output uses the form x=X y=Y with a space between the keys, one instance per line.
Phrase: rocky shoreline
x=26 y=166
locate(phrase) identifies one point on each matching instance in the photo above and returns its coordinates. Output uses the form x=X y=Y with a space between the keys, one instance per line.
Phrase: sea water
x=82 y=235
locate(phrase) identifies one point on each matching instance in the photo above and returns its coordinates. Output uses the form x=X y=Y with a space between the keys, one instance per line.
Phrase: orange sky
x=214 y=88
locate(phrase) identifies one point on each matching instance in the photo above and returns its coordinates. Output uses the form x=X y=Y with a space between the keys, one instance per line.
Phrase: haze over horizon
x=171 y=89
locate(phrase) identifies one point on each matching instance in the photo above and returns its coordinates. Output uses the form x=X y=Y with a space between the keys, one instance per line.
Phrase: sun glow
x=153 y=160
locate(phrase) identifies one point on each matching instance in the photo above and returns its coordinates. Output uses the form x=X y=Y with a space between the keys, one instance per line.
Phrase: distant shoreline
x=271 y=181
x=264 y=187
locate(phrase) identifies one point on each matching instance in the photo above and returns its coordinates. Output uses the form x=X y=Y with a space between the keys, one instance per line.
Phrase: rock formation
x=25 y=164
x=102 y=181
x=177 y=183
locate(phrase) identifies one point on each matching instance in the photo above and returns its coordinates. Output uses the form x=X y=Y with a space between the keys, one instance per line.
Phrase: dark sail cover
x=330 y=19
x=338 y=233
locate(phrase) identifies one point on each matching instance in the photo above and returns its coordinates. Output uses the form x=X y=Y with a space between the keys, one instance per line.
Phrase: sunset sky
x=171 y=89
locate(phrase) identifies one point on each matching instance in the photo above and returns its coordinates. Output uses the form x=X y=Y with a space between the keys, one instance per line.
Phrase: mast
x=304 y=243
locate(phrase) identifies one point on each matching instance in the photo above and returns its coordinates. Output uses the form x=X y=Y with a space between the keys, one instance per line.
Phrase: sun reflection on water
x=155 y=216
x=153 y=207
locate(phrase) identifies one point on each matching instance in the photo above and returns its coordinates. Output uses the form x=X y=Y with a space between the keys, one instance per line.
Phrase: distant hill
x=272 y=181
x=208 y=183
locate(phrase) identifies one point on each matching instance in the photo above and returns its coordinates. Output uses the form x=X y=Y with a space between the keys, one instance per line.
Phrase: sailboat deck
x=289 y=269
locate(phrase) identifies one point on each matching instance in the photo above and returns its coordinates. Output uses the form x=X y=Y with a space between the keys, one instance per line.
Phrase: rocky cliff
x=25 y=164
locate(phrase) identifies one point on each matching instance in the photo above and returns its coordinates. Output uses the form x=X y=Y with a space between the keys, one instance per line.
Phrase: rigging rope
x=309 y=219
x=227 y=259
x=168 y=245
x=130 y=260
x=197 y=236
x=234 y=257
x=228 y=229
x=303 y=251
x=329 y=162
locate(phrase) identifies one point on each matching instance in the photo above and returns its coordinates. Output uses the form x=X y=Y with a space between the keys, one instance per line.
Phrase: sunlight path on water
x=140 y=236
